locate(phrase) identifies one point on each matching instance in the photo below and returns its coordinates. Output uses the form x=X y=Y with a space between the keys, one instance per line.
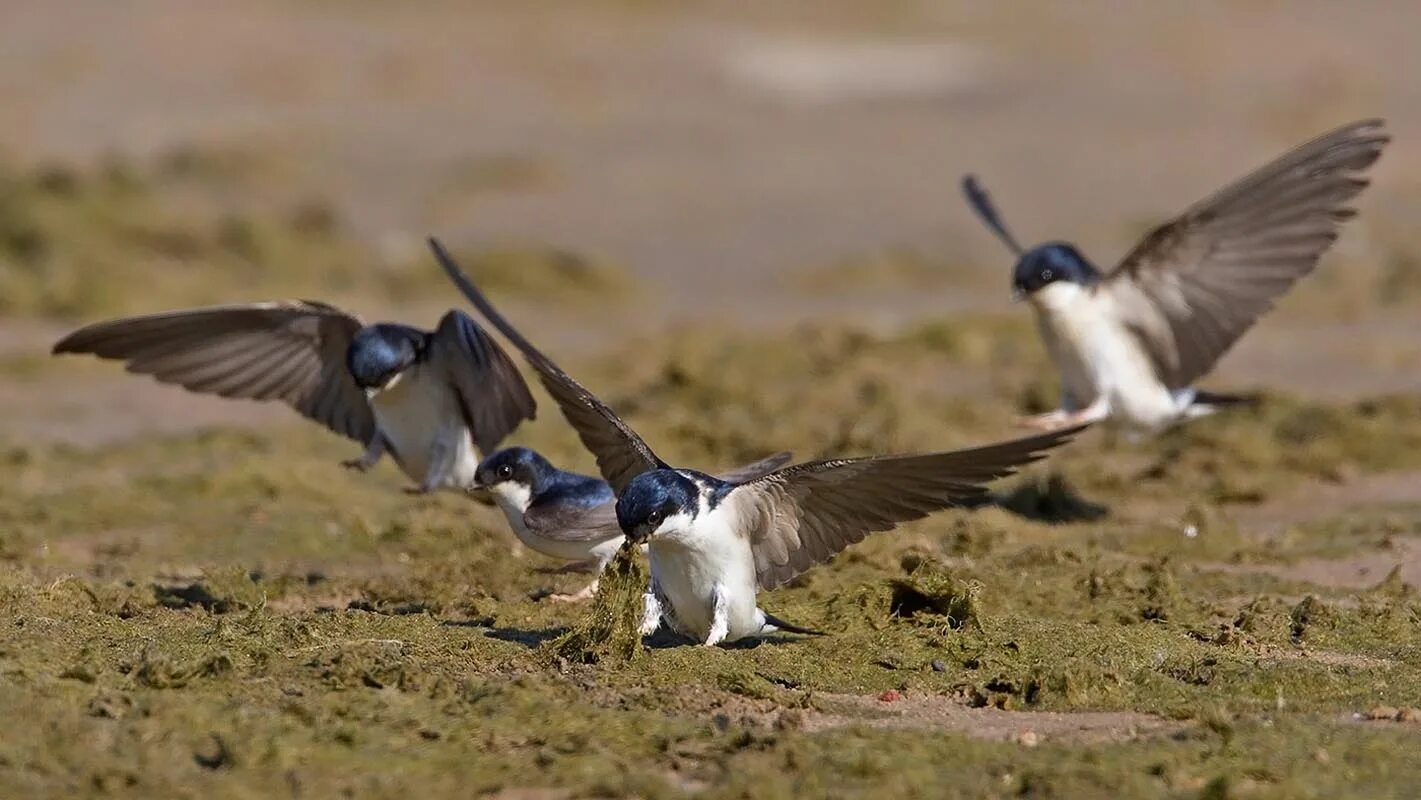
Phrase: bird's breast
x=413 y=414
x=691 y=565
x=1098 y=354
x=1072 y=329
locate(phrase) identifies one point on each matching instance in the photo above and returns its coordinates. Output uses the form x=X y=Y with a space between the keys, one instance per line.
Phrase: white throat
x=676 y=527
x=1057 y=298
x=513 y=497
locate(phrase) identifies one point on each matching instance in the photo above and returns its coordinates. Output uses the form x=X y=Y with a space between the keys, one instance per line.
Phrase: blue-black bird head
x=652 y=498
x=515 y=465
x=378 y=353
x=1049 y=263
x=1040 y=266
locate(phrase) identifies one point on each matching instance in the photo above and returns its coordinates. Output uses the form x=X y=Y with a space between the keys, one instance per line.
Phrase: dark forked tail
x=788 y=627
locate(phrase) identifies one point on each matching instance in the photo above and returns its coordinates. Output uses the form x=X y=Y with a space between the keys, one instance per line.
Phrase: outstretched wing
x=757 y=469
x=292 y=351
x=491 y=390
x=621 y=453
x=805 y=514
x=1192 y=287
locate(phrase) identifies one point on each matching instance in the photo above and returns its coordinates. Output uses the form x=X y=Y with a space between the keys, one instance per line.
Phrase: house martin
x=1131 y=343
x=566 y=515
x=713 y=543
x=434 y=400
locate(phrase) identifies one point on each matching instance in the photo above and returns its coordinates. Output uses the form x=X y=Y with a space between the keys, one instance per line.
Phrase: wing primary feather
x=292 y=351
x=620 y=451
x=803 y=515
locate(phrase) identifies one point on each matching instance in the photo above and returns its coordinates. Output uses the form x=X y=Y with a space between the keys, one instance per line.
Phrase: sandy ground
x=718 y=151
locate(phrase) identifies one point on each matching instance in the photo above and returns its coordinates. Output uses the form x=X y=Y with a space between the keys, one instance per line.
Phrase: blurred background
x=623 y=167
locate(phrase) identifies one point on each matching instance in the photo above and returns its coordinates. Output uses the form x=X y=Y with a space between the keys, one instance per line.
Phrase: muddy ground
x=742 y=228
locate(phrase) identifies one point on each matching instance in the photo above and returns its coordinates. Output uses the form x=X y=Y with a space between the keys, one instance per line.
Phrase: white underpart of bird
x=1104 y=368
x=420 y=418
x=705 y=570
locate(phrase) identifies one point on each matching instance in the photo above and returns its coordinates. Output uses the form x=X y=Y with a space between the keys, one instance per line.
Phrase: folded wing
x=491 y=391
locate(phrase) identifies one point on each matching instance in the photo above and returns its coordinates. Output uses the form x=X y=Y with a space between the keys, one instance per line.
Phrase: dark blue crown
x=1052 y=262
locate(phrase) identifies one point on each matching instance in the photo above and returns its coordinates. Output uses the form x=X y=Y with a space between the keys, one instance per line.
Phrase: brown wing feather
x=621 y=453
x=1192 y=287
x=757 y=469
x=491 y=390
x=289 y=351
x=805 y=514
x=562 y=524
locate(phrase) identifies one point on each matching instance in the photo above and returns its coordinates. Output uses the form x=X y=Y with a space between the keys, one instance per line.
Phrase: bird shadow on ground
x=664 y=640
x=1053 y=501
x=661 y=640
x=531 y=639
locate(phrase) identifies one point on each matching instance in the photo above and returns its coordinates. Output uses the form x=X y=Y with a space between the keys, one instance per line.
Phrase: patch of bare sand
x=1360 y=571
x=1329 y=658
x=1317 y=500
x=934 y=712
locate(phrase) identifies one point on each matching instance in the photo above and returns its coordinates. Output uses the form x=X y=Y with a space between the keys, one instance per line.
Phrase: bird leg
x=720 y=618
x=441 y=463
x=651 y=611
x=373 y=451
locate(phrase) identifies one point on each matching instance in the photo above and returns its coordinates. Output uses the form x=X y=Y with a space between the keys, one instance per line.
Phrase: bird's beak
x=638 y=538
x=479 y=493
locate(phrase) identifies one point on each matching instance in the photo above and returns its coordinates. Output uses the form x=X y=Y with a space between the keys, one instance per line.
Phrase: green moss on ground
x=124 y=237
x=230 y=612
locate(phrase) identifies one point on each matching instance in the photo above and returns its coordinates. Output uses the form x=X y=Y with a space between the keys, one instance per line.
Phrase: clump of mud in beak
x=611 y=630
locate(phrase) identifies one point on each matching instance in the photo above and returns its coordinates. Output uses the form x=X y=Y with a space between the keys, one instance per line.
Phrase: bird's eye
x=1046 y=274
x=505 y=471
x=654 y=518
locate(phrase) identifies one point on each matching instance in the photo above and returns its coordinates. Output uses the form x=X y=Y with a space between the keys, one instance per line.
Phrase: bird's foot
x=415 y=491
x=1050 y=421
x=585 y=593
x=357 y=464
x=1058 y=419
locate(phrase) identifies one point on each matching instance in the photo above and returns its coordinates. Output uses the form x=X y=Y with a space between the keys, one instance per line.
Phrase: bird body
x=432 y=399
x=419 y=418
x=563 y=514
x=583 y=506
x=702 y=565
x=1130 y=343
x=1101 y=364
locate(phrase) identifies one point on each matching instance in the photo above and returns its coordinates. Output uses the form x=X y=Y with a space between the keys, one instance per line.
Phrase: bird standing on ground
x=434 y=400
x=1131 y=343
x=566 y=515
x=714 y=543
